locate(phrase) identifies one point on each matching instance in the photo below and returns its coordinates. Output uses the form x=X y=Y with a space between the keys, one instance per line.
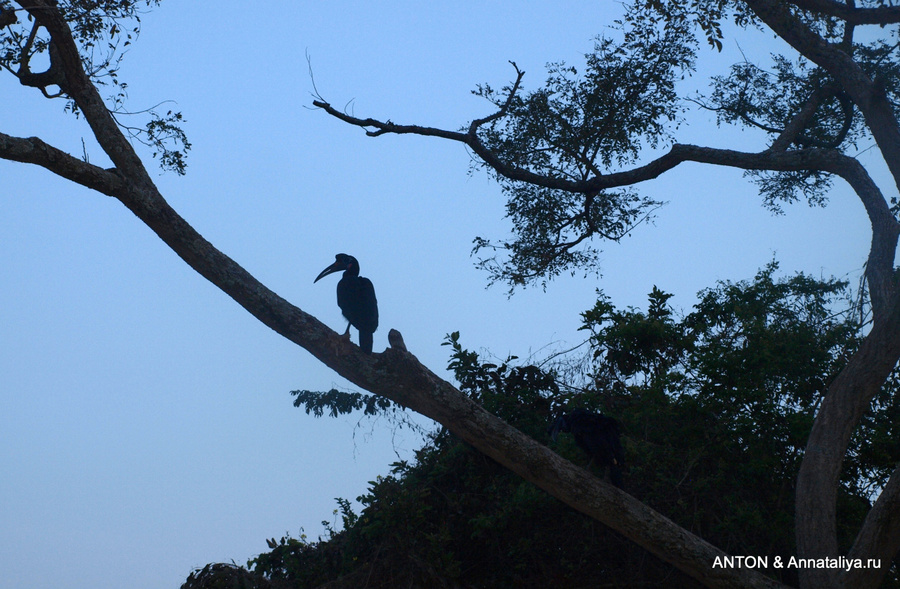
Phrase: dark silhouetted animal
x=597 y=435
x=356 y=298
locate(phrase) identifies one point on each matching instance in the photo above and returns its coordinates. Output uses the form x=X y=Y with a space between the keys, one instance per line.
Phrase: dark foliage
x=577 y=126
x=340 y=403
x=597 y=435
x=714 y=408
x=607 y=115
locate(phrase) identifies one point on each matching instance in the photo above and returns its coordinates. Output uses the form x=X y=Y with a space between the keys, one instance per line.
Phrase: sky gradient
x=145 y=418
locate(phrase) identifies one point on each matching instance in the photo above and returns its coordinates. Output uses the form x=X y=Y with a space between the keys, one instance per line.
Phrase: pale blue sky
x=145 y=419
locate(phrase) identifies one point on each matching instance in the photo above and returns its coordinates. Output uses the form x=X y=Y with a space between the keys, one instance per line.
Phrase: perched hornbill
x=597 y=435
x=356 y=298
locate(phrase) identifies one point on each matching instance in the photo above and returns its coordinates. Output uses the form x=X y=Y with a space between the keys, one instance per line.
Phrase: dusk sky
x=145 y=418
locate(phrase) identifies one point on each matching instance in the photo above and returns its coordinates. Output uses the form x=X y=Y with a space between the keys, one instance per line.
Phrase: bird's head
x=342 y=263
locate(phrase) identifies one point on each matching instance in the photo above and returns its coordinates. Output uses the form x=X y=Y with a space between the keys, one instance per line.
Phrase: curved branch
x=835 y=142
x=469 y=138
x=872 y=101
x=793 y=131
x=850 y=393
x=881 y=15
x=32 y=150
x=843 y=405
x=802 y=159
x=879 y=536
x=52 y=76
x=885 y=229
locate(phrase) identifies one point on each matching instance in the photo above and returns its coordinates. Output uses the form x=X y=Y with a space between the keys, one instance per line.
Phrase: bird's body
x=356 y=298
x=598 y=436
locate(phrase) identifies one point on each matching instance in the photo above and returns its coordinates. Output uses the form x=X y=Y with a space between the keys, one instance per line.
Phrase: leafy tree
x=840 y=91
x=808 y=110
x=693 y=394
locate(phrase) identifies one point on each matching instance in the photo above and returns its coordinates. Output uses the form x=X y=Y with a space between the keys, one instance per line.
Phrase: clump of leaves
x=103 y=30
x=581 y=125
x=341 y=403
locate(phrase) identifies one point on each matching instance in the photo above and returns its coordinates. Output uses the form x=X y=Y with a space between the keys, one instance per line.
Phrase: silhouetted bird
x=356 y=298
x=597 y=435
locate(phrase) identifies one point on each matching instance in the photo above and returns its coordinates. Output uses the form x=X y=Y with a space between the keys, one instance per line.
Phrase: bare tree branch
x=473 y=127
x=881 y=15
x=34 y=151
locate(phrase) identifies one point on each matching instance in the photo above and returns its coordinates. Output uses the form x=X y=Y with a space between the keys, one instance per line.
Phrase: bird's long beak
x=329 y=270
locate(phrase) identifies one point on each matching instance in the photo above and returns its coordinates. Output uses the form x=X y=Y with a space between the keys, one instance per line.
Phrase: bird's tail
x=365 y=341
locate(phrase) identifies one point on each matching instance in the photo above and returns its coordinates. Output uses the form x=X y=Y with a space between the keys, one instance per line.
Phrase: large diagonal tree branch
x=394 y=374
x=399 y=376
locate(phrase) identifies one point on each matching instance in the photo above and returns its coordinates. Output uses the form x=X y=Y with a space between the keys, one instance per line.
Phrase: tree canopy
x=808 y=111
x=715 y=407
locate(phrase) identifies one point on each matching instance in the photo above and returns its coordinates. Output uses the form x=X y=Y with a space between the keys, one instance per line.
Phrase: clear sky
x=146 y=424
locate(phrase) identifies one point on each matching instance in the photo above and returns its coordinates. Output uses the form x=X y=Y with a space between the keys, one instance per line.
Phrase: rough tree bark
x=397 y=374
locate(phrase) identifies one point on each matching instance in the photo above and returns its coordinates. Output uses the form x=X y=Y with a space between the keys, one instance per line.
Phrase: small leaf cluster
x=103 y=30
x=519 y=394
x=341 y=403
x=552 y=228
x=631 y=343
x=707 y=15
